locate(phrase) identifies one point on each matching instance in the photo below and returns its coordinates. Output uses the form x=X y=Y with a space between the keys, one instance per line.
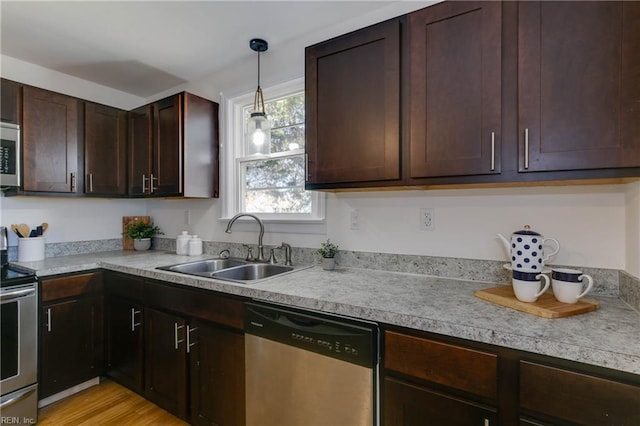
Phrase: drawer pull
x=493 y=151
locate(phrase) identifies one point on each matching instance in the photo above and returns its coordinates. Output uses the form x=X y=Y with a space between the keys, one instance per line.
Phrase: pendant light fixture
x=258 y=126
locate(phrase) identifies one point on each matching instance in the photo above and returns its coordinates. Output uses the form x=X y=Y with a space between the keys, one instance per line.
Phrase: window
x=270 y=186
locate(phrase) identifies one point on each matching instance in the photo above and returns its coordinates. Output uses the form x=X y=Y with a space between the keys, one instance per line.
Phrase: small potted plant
x=141 y=234
x=328 y=251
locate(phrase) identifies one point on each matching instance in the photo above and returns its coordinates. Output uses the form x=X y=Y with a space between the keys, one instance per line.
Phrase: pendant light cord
x=259 y=98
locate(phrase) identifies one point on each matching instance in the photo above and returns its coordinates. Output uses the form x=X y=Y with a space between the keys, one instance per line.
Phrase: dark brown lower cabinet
x=182 y=348
x=125 y=353
x=217 y=381
x=71 y=335
x=165 y=381
x=408 y=404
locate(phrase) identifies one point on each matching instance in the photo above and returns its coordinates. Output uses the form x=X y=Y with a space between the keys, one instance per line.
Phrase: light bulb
x=258 y=137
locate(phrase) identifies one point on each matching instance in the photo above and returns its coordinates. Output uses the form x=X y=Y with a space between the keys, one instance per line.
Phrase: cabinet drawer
x=577 y=397
x=461 y=368
x=128 y=286
x=70 y=286
x=205 y=305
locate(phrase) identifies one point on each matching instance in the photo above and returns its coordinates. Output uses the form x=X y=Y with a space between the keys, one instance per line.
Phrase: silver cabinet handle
x=176 y=327
x=144 y=183
x=493 y=151
x=90 y=182
x=134 y=324
x=72 y=181
x=153 y=187
x=526 y=148
x=189 y=344
x=49 y=320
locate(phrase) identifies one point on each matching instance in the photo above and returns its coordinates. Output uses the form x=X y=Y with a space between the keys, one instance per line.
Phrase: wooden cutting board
x=546 y=306
x=127 y=243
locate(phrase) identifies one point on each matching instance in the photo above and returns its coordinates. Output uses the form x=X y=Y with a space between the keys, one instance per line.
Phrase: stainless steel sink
x=203 y=267
x=236 y=270
x=251 y=272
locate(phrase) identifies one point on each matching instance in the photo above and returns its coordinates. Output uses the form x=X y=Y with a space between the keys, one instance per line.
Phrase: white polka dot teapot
x=526 y=250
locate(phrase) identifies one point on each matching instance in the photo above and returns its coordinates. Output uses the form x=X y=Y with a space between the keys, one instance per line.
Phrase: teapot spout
x=507 y=244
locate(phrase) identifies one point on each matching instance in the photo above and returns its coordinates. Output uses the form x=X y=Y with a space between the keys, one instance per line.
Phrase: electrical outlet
x=427 y=219
x=355 y=219
x=187 y=217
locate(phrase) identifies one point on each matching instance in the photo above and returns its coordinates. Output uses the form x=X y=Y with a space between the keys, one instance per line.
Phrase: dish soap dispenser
x=182 y=243
x=195 y=246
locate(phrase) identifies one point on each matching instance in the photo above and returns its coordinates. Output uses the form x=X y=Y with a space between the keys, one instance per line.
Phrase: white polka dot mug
x=526 y=250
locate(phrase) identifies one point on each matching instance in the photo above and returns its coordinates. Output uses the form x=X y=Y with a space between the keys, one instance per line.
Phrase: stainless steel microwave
x=9 y=155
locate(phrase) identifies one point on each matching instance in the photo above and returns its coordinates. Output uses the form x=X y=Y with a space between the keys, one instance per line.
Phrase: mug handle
x=547 y=283
x=555 y=251
x=588 y=277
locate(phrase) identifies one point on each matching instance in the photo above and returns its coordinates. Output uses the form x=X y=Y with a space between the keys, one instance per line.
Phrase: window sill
x=280 y=225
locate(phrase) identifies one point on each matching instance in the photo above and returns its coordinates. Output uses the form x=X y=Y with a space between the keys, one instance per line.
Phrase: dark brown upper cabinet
x=105 y=150
x=169 y=141
x=579 y=85
x=353 y=108
x=10 y=98
x=455 y=97
x=49 y=141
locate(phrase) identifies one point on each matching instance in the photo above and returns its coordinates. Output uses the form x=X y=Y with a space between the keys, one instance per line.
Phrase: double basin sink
x=236 y=270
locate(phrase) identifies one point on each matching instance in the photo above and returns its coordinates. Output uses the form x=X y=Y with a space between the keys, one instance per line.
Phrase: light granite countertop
x=608 y=337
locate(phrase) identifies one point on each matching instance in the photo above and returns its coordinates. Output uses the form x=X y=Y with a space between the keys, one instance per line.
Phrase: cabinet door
x=50 y=141
x=140 y=151
x=407 y=405
x=353 y=107
x=105 y=150
x=166 y=361
x=217 y=376
x=125 y=351
x=578 y=90
x=167 y=147
x=10 y=101
x=455 y=100
x=70 y=344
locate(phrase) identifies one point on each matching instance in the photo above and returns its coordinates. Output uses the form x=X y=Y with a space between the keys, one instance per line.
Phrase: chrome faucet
x=260 y=257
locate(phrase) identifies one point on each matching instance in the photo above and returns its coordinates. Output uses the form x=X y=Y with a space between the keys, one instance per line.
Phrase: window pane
x=276 y=186
x=287 y=122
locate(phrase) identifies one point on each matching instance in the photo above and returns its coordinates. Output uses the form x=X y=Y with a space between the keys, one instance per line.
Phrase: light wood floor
x=105 y=404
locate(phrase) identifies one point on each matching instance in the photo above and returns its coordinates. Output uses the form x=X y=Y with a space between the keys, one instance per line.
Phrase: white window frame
x=231 y=150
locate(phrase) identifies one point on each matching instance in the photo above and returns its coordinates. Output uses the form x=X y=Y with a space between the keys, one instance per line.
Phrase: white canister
x=195 y=246
x=31 y=249
x=182 y=243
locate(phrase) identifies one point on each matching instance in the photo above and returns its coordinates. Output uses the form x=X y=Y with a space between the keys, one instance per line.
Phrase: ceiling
x=146 y=47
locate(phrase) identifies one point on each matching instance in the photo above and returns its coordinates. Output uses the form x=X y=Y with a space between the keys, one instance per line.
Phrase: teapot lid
x=527 y=231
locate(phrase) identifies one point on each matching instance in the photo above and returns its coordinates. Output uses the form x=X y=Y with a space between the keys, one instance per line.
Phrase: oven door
x=18 y=344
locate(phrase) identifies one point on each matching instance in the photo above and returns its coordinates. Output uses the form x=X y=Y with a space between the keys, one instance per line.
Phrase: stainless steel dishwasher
x=307 y=368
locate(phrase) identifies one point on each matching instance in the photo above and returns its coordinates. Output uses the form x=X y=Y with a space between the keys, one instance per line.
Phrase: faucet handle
x=272 y=255
x=249 y=257
x=224 y=254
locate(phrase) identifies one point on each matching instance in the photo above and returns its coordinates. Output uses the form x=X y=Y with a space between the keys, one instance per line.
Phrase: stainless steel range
x=18 y=346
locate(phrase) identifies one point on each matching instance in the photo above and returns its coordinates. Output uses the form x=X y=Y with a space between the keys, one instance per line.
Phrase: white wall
x=588 y=221
x=633 y=229
x=70 y=219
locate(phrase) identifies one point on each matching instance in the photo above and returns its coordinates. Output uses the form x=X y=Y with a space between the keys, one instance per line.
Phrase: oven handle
x=18 y=398
x=17 y=294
